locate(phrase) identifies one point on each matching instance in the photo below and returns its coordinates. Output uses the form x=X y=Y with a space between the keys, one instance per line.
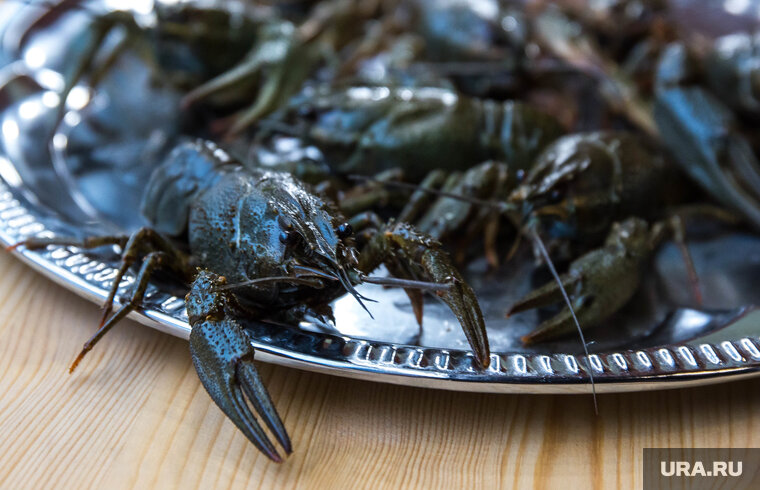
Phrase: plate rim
x=661 y=367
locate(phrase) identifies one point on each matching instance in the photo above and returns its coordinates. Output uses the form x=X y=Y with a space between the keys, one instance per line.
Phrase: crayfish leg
x=675 y=226
x=38 y=243
x=598 y=283
x=140 y=243
x=422 y=198
x=151 y=262
x=147 y=244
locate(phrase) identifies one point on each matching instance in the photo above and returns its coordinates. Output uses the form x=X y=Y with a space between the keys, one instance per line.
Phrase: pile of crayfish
x=432 y=133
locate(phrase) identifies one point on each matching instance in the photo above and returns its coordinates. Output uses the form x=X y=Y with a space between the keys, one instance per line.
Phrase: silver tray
x=84 y=177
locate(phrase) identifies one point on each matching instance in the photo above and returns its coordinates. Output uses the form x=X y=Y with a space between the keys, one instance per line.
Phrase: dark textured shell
x=235 y=218
x=598 y=178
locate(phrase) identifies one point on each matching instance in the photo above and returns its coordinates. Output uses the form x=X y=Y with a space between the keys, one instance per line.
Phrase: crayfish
x=262 y=245
x=607 y=197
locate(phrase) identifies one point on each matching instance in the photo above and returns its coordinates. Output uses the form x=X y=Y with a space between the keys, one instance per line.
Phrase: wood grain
x=135 y=416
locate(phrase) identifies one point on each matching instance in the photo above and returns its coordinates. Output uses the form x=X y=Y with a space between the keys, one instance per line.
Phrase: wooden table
x=135 y=415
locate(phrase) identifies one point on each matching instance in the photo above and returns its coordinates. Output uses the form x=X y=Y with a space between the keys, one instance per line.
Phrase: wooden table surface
x=134 y=415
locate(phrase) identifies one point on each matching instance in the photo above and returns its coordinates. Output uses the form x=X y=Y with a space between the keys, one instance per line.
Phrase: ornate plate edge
x=669 y=366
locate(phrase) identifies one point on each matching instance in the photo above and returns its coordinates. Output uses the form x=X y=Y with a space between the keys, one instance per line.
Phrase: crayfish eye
x=344 y=231
x=308 y=113
x=288 y=237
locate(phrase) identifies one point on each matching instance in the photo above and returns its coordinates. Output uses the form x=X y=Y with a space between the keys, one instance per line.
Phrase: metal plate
x=84 y=177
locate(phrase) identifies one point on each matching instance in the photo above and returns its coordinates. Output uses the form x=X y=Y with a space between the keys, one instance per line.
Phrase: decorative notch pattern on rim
x=659 y=367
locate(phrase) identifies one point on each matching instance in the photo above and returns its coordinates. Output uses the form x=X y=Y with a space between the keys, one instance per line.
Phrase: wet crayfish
x=700 y=124
x=608 y=198
x=573 y=190
x=218 y=55
x=366 y=130
x=262 y=245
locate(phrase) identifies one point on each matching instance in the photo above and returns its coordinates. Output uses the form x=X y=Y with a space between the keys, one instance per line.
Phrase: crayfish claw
x=409 y=254
x=546 y=295
x=598 y=283
x=257 y=393
x=560 y=324
x=223 y=357
x=464 y=304
x=557 y=326
x=700 y=130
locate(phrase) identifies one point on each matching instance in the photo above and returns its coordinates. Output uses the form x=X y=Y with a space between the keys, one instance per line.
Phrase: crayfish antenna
x=545 y=254
x=490 y=203
x=413 y=289
x=696 y=285
x=679 y=237
x=406 y=283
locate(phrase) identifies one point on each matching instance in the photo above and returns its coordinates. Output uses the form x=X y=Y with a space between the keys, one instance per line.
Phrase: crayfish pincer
x=261 y=245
